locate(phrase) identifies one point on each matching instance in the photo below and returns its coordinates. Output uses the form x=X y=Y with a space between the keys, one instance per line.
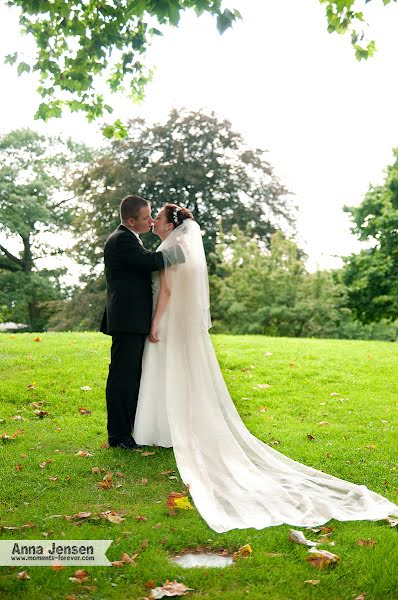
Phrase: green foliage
x=270 y=292
x=192 y=159
x=343 y=17
x=372 y=275
x=78 y=42
x=35 y=172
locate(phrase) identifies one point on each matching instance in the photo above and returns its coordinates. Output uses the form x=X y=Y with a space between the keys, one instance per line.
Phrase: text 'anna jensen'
x=52 y=550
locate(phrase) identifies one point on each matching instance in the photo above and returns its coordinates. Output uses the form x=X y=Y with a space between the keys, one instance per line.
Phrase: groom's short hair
x=130 y=206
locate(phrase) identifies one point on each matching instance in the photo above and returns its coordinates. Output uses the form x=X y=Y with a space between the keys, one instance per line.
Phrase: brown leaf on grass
x=310 y=437
x=19 y=467
x=97 y=470
x=17 y=418
x=41 y=413
x=361 y=596
x=143 y=481
x=37 y=404
x=312 y=581
x=43 y=464
x=147 y=453
x=321 y=559
x=83 y=453
x=81 y=515
x=323 y=423
x=263 y=409
x=157 y=526
x=274 y=443
x=263 y=386
x=127 y=559
x=292 y=365
x=392 y=522
x=170 y=588
x=169 y=472
x=54 y=478
x=371 y=447
x=23 y=575
x=170 y=501
x=79 y=576
x=106 y=482
x=18 y=432
x=5 y=436
x=149 y=584
x=32 y=386
x=120 y=474
x=113 y=516
x=57 y=567
x=84 y=411
x=37 y=339
x=334 y=394
x=274 y=554
x=243 y=552
x=369 y=543
x=86 y=388
x=117 y=563
x=140 y=518
x=104 y=445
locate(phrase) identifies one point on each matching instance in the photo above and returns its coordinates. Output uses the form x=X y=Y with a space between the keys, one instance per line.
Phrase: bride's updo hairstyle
x=176 y=215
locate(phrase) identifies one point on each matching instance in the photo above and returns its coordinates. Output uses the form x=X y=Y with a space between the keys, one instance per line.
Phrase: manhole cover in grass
x=202 y=559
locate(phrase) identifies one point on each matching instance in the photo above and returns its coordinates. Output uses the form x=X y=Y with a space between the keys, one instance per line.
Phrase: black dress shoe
x=128 y=444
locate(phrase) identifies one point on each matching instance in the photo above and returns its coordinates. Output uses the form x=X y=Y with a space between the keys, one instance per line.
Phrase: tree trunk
x=27 y=266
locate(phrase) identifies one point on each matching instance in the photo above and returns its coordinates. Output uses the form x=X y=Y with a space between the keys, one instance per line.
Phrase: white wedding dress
x=235 y=480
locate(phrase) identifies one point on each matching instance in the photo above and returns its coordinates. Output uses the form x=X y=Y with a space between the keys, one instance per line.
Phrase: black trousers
x=123 y=384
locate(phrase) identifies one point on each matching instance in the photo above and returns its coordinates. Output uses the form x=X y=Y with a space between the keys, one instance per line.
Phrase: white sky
x=328 y=121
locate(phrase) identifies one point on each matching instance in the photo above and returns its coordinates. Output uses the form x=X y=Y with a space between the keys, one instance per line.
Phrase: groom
x=128 y=313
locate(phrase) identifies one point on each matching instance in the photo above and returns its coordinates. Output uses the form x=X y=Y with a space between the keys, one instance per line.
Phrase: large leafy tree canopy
x=34 y=171
x=372 y=275
x=78 y=41
x=194 y=160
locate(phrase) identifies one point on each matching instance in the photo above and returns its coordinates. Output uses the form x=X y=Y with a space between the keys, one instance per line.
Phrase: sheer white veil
x=188 y=282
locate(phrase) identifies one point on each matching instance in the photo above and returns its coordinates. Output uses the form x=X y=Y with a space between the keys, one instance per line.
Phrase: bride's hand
x=153 y=335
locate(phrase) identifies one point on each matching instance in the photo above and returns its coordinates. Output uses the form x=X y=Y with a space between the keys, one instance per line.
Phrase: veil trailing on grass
x=235 y=480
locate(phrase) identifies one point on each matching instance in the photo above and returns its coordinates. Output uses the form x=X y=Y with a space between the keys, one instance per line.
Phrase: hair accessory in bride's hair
x=175 y=213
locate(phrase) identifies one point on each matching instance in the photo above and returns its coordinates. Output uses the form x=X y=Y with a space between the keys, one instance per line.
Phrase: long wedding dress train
x=235 y=480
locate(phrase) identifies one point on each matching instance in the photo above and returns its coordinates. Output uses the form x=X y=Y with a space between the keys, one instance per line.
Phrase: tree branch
x=9 y=267
x=10 y=256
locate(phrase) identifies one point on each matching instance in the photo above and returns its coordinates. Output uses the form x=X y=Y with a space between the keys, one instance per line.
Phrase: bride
x=235 y=480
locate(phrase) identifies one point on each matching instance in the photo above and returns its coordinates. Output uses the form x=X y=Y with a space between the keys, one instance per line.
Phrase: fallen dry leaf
x=274 y=443
x=104 y=445
x=32 y=386
x=361 y=596
x=23 y=575
x=79 y=576
x=183 y=503
x=140 y=518
x=371 y=447
x=323 y=423
x=312 y=581
x=169 y=472
x=263 y=386
x=117 y=563
x=37 y=339
x=170 y=588
x=320 y=559
x=335 y=394
x=37 y=404
x=392 y=522
x=267 y=353
x=106 y=482
x=5 y=436
x=368 y=543
x=84 y=411
x=243 y=552
x=310 y=437
x=83 y=453
x=147 y=453
x=97 y=470
x=263 y=409
x=57 y=567
x=113 y=516
x=19 y=467
x=86 y=388
x=41 y=413
x=143 y=481
x=17 y=418
x=43 y=464
x=298 y=537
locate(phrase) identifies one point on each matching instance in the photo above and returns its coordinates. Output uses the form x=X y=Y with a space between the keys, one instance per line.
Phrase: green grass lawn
x=357 y=441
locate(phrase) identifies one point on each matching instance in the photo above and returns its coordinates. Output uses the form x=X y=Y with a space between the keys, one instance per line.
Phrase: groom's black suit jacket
x=128 y=268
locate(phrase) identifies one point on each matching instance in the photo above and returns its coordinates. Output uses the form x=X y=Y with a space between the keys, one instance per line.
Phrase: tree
x=32 y=206
x=372 y=275
x=78 y=41
x=193 y=159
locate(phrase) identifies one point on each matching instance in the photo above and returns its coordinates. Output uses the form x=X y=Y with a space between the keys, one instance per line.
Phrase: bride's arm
x=163 y=299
